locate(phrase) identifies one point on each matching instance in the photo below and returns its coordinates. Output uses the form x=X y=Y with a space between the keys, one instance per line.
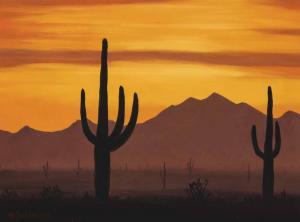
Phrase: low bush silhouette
x=9 y=195
x=197 y=190
x=51 y=193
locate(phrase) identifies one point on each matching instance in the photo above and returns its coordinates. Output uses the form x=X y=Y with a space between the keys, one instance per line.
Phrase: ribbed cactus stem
x=269 y=153
x=104 y=143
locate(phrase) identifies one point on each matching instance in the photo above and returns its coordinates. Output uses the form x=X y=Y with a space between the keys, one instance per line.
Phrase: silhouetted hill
x=214 y=132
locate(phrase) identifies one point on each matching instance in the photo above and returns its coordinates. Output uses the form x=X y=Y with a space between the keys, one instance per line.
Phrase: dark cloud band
x=71 y=2
x=290 y=32
x=11 y=58
x=289 y=4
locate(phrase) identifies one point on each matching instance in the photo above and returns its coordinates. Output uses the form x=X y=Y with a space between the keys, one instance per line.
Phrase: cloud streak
x=72 y=2
x=13 y=58
x=290 y=32
x=289 y=4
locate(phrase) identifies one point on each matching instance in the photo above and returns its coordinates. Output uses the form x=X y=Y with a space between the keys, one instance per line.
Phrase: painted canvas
x=149 y=110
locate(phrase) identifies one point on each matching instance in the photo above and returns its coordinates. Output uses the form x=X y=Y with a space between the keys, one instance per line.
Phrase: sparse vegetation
x=163 y=176
x=9 y=195
x=149 y=209
x=197 y=190
x=51 y=193
x=78 y=169
x=190 y=167
x=46 y=169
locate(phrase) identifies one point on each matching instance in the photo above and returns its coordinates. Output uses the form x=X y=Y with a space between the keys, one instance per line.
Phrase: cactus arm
x=121 y=115
x=277 y=140
x=85 y=126
x=257 y=150
x=115 y=144
x=102 y=129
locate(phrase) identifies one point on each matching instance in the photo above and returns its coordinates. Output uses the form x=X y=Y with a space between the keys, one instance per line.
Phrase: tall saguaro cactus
x=103 y=142
x=269 y=153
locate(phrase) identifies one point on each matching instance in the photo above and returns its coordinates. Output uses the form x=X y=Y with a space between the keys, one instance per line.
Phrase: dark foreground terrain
x=79 y=209
x=138 y=195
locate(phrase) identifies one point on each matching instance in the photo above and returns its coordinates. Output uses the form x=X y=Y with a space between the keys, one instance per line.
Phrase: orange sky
x=164 y=50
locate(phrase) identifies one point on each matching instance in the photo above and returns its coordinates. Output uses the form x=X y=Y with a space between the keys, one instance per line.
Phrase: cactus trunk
x=102 y=173
x=268 y=179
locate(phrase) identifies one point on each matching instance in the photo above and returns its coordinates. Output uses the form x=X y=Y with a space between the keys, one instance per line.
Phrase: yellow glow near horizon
x=46 y=96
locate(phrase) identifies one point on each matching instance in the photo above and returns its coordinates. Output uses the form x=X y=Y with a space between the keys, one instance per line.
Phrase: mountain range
x=213 y=132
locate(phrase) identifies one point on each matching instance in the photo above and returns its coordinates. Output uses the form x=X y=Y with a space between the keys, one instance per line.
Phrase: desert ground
x=144 y=181
x=139 y=195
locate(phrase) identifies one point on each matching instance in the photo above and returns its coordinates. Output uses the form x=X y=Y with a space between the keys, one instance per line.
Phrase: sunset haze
x=166 y=51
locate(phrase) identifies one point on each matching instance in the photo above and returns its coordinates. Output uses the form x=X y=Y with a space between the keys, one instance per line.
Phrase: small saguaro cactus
x=77 y=171
x=248 y=174
x=125 y=167
x=46 y=170
x=269 y=153
x=190 y=167
x=105 y=144
x=163 y=176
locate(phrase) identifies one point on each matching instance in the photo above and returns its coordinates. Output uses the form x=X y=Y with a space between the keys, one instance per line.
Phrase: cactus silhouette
x=190 y=167
x=46 y=170
x=104 y=143
x=248 y=174
x=77 y=171
x=269 y=154
x=163 y=176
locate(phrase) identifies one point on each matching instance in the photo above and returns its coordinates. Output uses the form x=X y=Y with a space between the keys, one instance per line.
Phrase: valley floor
x=138 y=196
x=136 y=182
x=149 y=209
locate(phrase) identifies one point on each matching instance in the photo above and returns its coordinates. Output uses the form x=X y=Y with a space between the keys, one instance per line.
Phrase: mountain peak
x=76 y=125
x=192 y=106
x=290 y=115
x=217 y=98
x=190 y=100
x=25 y=129
x=214 y=97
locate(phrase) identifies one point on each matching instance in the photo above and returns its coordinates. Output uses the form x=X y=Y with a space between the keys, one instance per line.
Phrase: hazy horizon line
x=149 y=119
